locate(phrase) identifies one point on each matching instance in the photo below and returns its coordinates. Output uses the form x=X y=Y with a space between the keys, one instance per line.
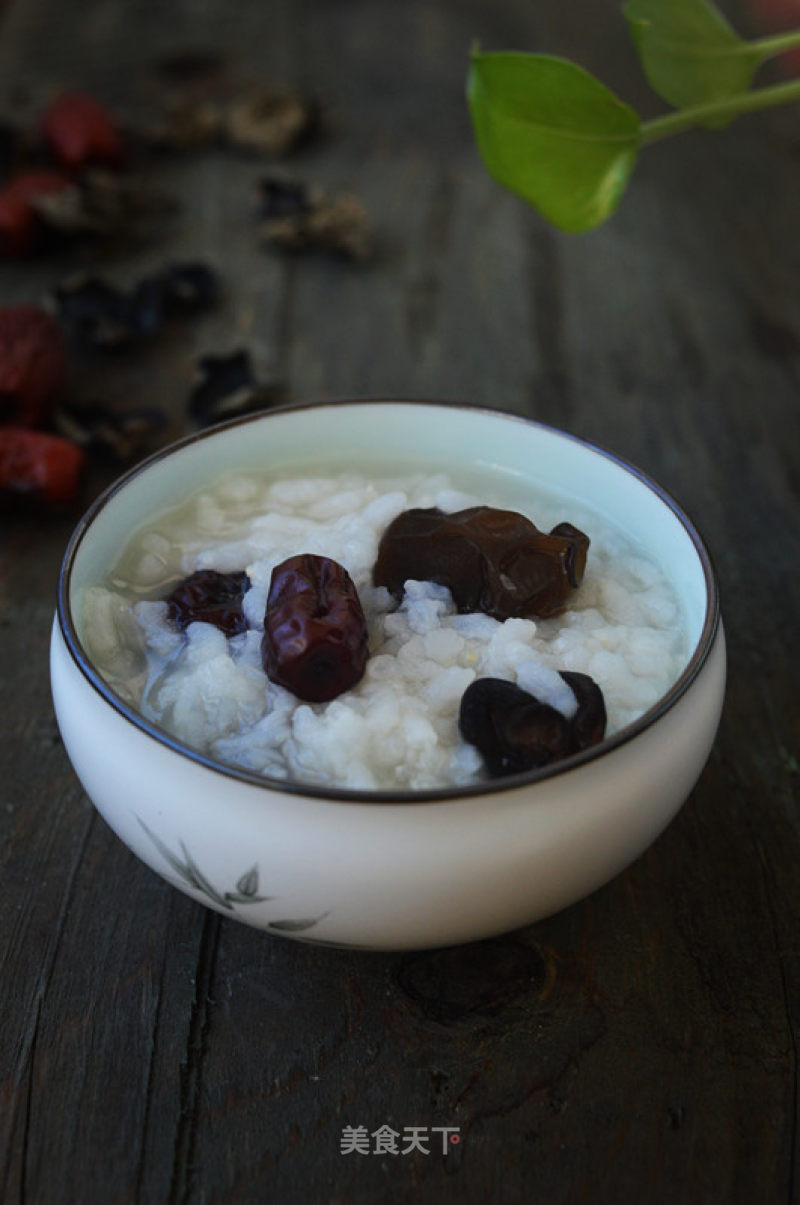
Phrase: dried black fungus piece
x=124 y=435
x=210 y=597
x=515 y=732
x=227 y=387
x=315 y=633
x=495 y=561
x=300 y=217
x=281 y=197
x=101 y=315
x=589 y=722
x=189 y=288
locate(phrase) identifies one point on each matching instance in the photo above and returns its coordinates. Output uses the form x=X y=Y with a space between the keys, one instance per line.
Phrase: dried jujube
x=210 y=597
x=515 y=732
x=491 y=560
x=80 y=131
x=38 y=471
x=33 y=365
x=315 y=633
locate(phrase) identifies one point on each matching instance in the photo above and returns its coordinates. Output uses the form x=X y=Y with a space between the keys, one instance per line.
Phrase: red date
x=38 y=471
x=80 y=131
x=495 y=561
x=33 y=365
x=315 y=633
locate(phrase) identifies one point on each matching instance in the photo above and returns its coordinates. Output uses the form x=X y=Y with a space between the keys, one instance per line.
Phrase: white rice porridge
x=398 y=728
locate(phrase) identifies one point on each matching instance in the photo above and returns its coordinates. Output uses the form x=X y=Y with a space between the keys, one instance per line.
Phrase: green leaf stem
x=551 y=132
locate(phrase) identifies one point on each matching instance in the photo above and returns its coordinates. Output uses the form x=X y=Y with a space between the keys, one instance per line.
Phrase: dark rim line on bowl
x=439 y=794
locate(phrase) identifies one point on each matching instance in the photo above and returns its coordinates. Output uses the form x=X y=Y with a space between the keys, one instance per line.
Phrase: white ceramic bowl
x=382 y=870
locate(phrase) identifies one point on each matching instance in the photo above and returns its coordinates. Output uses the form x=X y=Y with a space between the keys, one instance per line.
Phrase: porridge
x=399 y=724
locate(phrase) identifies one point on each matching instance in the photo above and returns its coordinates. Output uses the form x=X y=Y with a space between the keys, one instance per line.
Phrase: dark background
x=640 y=1046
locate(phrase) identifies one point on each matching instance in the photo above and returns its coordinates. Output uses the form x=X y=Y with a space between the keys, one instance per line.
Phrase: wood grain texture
x=641 y=1045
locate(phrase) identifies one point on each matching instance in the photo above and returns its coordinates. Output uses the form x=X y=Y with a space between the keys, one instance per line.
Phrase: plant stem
x=769 y=47
x=732 y=106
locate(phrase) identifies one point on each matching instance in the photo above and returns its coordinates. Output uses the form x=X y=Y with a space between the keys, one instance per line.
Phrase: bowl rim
x=334 y=794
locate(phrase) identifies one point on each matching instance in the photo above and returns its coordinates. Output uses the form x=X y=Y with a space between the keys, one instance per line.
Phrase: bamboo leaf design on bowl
x=186 y=869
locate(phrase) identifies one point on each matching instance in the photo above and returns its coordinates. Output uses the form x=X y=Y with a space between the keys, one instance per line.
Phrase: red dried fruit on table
x=38 y=470
x=80 y=131
x=33 y=365
x=21 y=227
x=315 y=633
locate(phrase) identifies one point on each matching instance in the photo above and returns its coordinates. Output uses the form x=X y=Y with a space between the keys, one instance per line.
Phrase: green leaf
x=689 y=52
x=551 y=132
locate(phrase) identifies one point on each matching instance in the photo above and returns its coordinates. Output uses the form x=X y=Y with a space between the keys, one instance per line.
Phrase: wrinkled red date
x=80 y=132
x=514 y=731
x=33 y=365
x=38 y=470
x=315 y=633
x=491 y=560
x=208 y=596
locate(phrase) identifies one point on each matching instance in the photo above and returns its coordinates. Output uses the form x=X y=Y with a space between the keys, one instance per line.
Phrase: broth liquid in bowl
x=398 y=728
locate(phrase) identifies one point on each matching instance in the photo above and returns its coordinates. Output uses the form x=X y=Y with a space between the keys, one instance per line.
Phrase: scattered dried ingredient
x=315 y=633
x=282 y=197
x=106 y=205
x=186 y=123
x=515 y=732
x=101 y=315
x=589 y=722
x=38 y=471
x=491 y=560
x=33 y=365
x=302 y=218
x=272 y=121
x=210 y=597
x=227 y=388
x=80 y=132
x=22 y=227
x=189 y=288
x=124 y=435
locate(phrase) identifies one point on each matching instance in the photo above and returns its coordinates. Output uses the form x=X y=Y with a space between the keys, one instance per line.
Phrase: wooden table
x=642 y=1045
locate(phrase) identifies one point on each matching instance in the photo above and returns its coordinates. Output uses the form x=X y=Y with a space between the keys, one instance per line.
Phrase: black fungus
x=122 y=435
x=210 y=597
x=300 y=217
x=227 y=388
x=189 y=288
x=515 y=732
x=99 y=314
x=281 y=197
